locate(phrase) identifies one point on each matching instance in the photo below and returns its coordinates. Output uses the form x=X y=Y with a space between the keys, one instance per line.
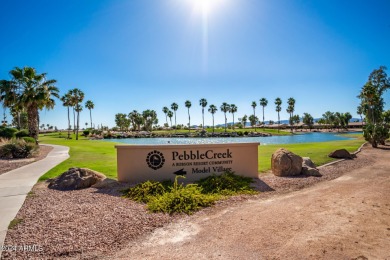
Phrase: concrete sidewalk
x=15 y=185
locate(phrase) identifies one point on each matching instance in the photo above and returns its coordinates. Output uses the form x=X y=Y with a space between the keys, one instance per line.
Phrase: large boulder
x=76 y=178
x=340 y=154
x=286 y=163
x=309 y=168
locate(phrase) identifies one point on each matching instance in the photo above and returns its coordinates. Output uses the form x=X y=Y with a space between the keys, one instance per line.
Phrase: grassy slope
x=101 y=156
x=96 y=155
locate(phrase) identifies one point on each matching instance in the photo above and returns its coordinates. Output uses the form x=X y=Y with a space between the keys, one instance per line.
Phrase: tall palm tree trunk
x=213 y=123
x=278 y=122
x=263 y=121
x=175 y=123
x=203 y=118
x=74 y=121
x=77 y=127
x=254 y=114
x=189 y=121
x=90 y=116
x=32 y=113
x=68 y=124
x=225 y=123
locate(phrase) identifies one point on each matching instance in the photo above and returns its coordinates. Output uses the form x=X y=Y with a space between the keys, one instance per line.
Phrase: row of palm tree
x=225 y=107
x=73 y=99
x=231 y=108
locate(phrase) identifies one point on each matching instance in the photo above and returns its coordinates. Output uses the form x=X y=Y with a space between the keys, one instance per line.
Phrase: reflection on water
x=287 y=139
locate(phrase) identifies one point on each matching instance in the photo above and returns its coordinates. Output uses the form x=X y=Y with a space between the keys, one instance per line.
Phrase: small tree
x=308 y=120
x=253 y=120
x=372 y=103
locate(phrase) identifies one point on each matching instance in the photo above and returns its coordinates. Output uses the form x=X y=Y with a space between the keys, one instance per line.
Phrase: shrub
x=28 y=139
x=7 y=132
x=227 y=183
x=96 y=132
x=144 y=191
x=22 y=133
x=86 y=132
x=16 y=148
x=181 y=199
x=240 y=133
x=171 y=197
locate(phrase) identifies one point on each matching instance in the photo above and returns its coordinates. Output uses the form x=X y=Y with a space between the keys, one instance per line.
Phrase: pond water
x=286 y=139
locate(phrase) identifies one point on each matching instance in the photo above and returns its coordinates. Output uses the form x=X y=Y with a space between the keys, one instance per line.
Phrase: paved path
x=15 y=185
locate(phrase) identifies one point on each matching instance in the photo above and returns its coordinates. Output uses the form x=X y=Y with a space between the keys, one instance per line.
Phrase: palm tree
x=90 y=105
x=78 y=109
x=175 y=107
x=278 y=103
x=34 y=92
x=233 y=109
x=263 y=103
x=203 y=103
x=359 y=111
x=308 y=120
x=254 y=105
x=77 y=97
x=165 y=111
x=9 y=97
x=213 y=109
x=225 y=107
x=188 y=105
x=170 y=115
x=66 y=102
x=290 y=109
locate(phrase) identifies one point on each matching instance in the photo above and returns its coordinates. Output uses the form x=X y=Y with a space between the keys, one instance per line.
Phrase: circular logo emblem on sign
x=155 y=160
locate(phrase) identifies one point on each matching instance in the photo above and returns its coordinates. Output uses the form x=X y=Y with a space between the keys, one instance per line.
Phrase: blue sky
x=146 y=54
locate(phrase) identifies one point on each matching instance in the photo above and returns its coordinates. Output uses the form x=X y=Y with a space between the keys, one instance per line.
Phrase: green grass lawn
x=101 y=156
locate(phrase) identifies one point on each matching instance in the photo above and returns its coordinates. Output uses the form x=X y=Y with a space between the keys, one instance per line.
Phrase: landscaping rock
x=340 y=154
x=106 y=183
x=308 y=162
x=286 y=163
x=309 y=168
x=76 y=178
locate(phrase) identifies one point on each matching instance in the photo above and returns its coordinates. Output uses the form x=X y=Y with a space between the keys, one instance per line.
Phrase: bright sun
x=205 y=6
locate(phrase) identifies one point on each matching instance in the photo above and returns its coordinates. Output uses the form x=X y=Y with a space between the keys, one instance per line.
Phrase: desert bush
x=172 y=198
x=227 y=183
x=144 y=191
x=17 y=148
x=85 y=132
x=28 y=139
x=7 y=132
x=22 y=133
x=181 y=199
